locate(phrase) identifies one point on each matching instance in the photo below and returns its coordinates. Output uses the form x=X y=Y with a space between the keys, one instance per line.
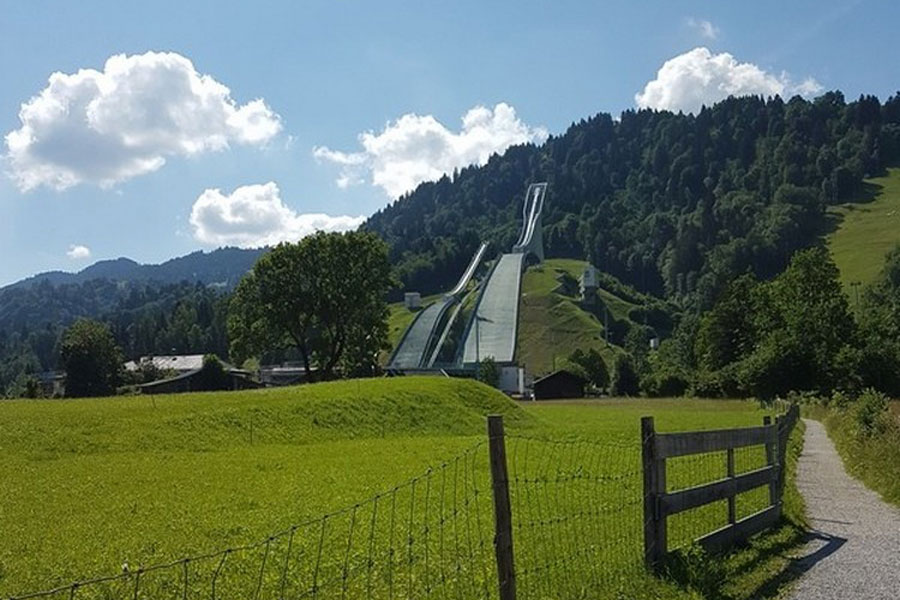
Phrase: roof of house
x=187 y=375
x=152 y=384
x=174 y=362
x=557 y=373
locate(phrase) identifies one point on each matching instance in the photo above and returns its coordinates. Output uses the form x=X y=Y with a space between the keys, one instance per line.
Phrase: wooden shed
x=190 y=382
x=559 y=384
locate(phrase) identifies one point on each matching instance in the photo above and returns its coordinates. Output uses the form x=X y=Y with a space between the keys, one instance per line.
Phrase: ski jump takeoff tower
x=491 y=332
x=491 y=329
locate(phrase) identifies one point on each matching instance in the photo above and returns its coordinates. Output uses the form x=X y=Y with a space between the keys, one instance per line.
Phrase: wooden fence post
x=503 y=542
x=732 y=499
x=771 y=453
x=655 y=546
x=785 y=425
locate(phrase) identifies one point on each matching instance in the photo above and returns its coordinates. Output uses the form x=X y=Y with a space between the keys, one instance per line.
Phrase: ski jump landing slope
x=492 y=330
x=417 y=345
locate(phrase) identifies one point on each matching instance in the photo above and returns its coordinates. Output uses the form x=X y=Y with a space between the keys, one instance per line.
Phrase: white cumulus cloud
x=78 y=252
x=699 y=77
x=704 y=27
x=107 y=126
x=254 y=215
x=417 y=148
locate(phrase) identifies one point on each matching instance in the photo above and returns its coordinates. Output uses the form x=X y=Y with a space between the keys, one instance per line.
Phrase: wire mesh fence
x=576 y=515
x=429 y=537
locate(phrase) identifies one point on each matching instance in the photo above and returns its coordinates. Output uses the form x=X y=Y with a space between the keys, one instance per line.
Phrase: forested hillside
x=145 y=318
x=177 y=306
x=673 y=204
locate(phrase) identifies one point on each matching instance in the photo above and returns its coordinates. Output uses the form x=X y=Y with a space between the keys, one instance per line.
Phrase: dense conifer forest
x=675 y=205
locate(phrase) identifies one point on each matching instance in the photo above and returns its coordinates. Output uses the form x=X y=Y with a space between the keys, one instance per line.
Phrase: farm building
x=559 y=384
x=190 y=381
x=284 y=374
x=179 y=363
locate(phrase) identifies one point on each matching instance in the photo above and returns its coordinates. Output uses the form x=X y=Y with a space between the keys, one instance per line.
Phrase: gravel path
x=855 y=547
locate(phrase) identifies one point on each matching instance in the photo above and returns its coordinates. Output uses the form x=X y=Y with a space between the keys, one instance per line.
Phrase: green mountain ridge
x=223 y=266
x=674 y=205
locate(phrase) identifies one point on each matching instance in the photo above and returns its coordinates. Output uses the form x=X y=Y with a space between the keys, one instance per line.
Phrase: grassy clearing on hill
x=552 y=325
x=867 y=229
x=91 y=484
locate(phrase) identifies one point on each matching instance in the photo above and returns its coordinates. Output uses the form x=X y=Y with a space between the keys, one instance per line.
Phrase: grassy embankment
x=867 y=229
x=92 y=484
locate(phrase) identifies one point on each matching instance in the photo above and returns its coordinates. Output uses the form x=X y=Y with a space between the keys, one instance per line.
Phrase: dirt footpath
x=855 y=551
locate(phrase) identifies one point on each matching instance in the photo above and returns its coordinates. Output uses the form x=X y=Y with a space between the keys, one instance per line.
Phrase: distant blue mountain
x=223 y=267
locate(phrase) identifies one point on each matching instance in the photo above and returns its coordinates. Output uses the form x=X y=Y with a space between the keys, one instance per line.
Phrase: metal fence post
x=503 y=542
x=655 y=546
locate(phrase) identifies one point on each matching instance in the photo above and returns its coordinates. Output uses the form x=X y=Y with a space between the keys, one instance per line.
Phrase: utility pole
x=553 y=349
x=606 y=323
x=855 y=285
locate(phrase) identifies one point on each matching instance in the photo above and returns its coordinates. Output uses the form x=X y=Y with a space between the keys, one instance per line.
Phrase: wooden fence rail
x=659 y=503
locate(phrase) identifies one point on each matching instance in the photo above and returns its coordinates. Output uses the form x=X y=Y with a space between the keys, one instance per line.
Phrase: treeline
x=676 y=205
x=145 y=318
x=795 y=333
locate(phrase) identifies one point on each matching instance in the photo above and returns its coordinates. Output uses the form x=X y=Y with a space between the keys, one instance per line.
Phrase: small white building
x=512 y=380
x=412 y=300
x=588 y=284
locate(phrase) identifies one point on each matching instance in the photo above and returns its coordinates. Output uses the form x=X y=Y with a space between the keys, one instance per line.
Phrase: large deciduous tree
x=323 y=296
x=91 y=359
x=793 y=333
x=880 y=324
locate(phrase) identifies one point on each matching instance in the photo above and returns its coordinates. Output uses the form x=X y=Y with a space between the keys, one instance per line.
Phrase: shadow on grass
x=865 y=194
x=761 y=569
x=798 y=565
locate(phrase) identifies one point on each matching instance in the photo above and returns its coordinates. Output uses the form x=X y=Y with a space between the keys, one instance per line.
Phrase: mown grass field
x=92 y=484
x=866 y=231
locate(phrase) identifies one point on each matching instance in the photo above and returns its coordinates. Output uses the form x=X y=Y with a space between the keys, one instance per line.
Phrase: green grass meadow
x=92 y=485
x=867 y=229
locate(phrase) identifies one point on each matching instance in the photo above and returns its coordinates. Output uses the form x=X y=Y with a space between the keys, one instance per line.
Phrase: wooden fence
x=659 y=504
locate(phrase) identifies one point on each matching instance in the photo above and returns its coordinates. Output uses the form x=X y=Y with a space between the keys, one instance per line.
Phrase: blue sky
x=243 y=126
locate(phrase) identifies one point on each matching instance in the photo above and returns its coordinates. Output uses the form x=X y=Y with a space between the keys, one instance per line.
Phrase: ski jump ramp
x=492 y=330
x=417 y=348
